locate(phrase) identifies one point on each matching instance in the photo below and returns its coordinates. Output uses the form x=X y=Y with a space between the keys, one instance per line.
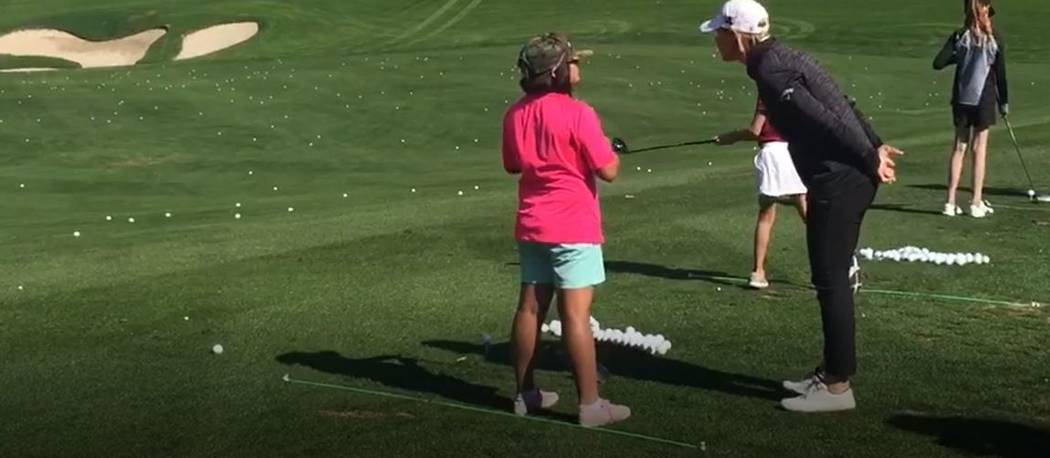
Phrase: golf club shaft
x=1017 y=147
x=677 y=145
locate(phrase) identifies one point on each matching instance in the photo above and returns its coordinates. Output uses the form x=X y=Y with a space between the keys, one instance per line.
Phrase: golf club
x=620 y=146
x=1017 y=147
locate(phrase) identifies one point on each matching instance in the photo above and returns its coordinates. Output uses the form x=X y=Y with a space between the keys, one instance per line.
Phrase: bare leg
x=962 y=139
x=533 y=304
x=574 y=305
x=767 y=215
x=801 y=206
x=980 y=155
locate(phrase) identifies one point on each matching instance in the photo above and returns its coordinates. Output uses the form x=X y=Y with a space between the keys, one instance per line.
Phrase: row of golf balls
x=655 y=344
x=916 y=254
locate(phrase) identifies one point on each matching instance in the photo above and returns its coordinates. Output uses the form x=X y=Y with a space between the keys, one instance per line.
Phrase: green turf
x=106 y=337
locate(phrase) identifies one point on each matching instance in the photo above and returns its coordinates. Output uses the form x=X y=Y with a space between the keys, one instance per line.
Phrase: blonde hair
x=750 y=40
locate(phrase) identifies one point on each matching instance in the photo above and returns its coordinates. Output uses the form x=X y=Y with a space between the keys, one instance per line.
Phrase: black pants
x=832 y=230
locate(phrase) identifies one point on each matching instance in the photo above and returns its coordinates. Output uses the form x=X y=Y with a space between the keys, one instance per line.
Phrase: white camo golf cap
x=745 y=16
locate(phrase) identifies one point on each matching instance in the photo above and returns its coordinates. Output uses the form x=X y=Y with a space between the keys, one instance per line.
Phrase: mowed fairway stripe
x=422 y=25
x=451 y=22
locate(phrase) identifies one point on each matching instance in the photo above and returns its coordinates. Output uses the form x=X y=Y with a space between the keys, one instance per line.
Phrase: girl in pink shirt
x=557 y=145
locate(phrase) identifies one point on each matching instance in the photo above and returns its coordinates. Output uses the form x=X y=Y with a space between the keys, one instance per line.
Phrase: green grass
x=386 y=289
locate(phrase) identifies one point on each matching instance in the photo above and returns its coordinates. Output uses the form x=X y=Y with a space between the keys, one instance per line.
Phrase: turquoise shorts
x=566 y=266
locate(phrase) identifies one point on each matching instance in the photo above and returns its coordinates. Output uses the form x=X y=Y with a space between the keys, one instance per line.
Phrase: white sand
x=217 y=38
x=89 y=54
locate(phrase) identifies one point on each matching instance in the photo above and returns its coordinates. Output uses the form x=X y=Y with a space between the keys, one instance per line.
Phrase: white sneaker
x=603 y=413
x=531 y=401
x=802 y=386
x=818 y=399
x=981 y=210
x=952 y=210
x=758 y=282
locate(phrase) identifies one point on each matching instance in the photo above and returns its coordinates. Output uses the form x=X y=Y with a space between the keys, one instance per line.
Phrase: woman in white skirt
x=776 y=181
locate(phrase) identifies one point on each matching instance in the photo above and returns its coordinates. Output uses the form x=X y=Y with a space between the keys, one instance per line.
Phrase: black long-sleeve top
x=831 y=143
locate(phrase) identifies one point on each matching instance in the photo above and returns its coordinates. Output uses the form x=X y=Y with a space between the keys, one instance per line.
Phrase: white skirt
x=775 y=174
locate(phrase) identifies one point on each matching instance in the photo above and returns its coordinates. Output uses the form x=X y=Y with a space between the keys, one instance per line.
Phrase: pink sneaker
x=603 y=413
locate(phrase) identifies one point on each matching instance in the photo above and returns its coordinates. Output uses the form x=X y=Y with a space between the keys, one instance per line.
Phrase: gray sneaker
x=531 y=401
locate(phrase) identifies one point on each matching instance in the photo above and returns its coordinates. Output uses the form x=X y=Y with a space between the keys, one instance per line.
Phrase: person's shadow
x=672 y=273
x=988 y=190
x=630 y=363
x=979 y=437
x=898 y=208
x=401 y=373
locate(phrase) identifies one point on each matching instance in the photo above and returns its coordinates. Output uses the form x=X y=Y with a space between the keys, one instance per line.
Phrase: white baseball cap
x=746 y=16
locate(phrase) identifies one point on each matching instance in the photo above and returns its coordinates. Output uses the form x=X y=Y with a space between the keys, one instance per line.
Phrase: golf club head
x=620 y=146
x=1045 y=198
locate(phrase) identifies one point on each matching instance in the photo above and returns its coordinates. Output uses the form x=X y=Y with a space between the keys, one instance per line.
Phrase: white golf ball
x=460 y=193
x=275 y=188
x=186 y=318
x=167 y=215
x=251 y=172
x=237 y=216
x=217 y=349
x=345 y=195
x=477 y=187
x=76 y=233
x=290 y=209
x=413 y=189
x=1031 y=193
x=23 y=186
x=131 y=220
x=238 y=205
x=109 y=218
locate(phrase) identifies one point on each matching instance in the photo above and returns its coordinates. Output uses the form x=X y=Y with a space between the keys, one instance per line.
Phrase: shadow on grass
x=990 y=191
x=671 y=273
x=401 y=373
x=629 y=363
x=903 y=209
x=979 y=437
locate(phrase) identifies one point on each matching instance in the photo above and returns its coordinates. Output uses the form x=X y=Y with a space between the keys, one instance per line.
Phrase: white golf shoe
x=952 y=210
x=817 y=398
x=981 y=210
x=757 y=282
x=801 y=386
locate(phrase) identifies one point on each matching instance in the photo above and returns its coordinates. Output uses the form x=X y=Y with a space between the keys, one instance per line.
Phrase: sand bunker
x=89 y=54
x=217 y=38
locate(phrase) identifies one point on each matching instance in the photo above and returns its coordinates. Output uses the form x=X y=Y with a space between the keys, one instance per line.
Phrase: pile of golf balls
x=654 y=344
x=916 y=254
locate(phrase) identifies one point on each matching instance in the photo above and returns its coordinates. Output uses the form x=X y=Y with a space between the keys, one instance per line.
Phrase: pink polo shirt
x=557 y=144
